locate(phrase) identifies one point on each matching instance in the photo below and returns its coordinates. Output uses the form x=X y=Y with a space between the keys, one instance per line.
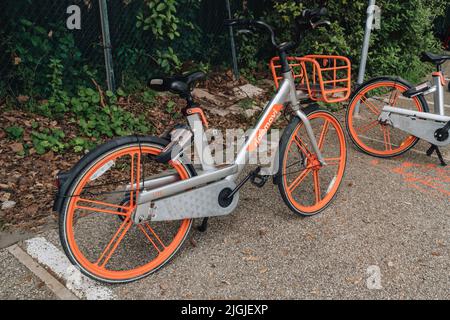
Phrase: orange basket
x=323 y=78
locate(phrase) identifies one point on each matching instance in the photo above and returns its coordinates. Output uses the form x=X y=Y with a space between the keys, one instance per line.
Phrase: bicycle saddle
x=178 y=84
x=434 y=58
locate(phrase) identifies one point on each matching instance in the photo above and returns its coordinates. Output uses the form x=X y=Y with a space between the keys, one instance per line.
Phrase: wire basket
x=324 y=78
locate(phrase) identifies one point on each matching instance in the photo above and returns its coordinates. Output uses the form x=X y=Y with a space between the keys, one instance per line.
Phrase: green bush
x=406 y=31
x=48 y=139
x=40 y=54
x=165 y=34
x=49 y=67
x=110 y=120
x=15 y=132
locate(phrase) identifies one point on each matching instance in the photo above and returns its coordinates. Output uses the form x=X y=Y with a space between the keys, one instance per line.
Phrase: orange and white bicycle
x=387 y=116
x=127 y=207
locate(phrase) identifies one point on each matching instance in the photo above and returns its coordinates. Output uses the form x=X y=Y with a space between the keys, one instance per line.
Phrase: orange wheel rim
x=165 y=250
x=314 y=167
x=385 y=130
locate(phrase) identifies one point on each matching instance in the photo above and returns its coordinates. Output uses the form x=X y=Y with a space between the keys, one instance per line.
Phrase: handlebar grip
x=323 y=12
x=314 y=13
x=237 y=22
x=255 y=23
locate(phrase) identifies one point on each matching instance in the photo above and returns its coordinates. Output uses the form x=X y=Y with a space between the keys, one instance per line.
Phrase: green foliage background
x=156 y=36
x=47 y=69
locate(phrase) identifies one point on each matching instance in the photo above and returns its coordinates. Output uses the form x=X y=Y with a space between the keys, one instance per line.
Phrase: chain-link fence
x=35 y=40
x=442 y=26
x=34 y=33
x=201 y=33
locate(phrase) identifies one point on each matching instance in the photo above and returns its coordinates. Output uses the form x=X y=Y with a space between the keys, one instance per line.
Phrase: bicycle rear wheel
x=370 y=135
x=306 y=186
x=96 y=227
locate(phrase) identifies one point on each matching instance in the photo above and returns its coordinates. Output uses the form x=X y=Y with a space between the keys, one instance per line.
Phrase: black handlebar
x=249 y=22
x=312 y=16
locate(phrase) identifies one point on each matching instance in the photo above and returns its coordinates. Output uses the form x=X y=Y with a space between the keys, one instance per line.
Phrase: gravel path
x=17 y=282
x=391 y=219
x=386 y=236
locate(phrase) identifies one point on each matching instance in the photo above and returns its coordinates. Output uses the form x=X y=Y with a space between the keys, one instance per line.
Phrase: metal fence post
x=233 y=44
x=365 y=48
x=110 y=79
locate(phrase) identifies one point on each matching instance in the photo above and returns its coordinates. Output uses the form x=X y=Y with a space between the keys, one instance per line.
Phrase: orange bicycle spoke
x=135 y=177
x=394 y=98
x=367 y=127
x=117 y=213
x=150 y=239
x=155 y=235
x=113 y=244
x=317 y=185
x=333 y=161
x=371 y=106
x=298 y=180
x=138 y=174
x=132 y=180
x=104 y=204
x=302 y=146
x=387 y=138
x=323 y=134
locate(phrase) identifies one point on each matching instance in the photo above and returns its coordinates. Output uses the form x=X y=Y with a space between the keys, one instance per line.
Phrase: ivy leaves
x=160 y=17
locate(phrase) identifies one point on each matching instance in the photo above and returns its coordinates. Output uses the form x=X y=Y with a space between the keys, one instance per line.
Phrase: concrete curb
x=51 y=282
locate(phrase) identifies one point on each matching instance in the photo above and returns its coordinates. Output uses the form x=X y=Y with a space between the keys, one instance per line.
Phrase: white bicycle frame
x=421 y=124
x=169 y=186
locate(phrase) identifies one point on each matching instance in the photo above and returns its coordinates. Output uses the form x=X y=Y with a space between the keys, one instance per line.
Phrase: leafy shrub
x=148 y=96
x=406 y=31
x=48 y=66
x=39 y=54
x=59 y=98
x=80 y=144
x=48 y=139
x=15 y=132
x=96 y=120
x=160 y=18
x=174 y=31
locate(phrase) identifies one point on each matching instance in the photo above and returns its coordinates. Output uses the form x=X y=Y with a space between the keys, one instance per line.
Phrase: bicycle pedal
x=259 y=180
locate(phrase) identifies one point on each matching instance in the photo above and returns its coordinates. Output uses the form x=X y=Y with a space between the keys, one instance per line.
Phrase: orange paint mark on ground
x=423 y=177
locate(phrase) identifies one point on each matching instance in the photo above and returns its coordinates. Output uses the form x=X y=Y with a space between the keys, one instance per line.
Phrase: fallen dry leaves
x=29 y=180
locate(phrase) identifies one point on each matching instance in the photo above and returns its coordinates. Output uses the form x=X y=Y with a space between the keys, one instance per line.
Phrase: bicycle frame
x=210 y=173
x=439 y=82
x=421 y=124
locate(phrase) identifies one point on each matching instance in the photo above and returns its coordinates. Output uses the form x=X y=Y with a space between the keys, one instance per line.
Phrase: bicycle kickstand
x=433 y=149
x=204 y=226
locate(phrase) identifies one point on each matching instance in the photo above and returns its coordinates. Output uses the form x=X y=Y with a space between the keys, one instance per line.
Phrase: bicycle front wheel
x=366 y=131
x=96 y=227
x=307 y=186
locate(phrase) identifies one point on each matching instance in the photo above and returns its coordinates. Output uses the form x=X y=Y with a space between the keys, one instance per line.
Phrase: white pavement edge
x=53 y=284
x=48 y=255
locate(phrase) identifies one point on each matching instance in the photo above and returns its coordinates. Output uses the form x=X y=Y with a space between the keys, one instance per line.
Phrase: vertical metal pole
x=365 y=48
x=110 y=79
x=233 y=44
